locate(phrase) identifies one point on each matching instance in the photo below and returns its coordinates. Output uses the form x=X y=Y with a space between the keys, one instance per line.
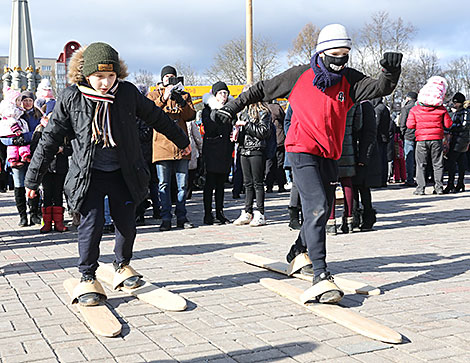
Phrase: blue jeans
x=409 y=149
x=19 y=175
x=165 y=170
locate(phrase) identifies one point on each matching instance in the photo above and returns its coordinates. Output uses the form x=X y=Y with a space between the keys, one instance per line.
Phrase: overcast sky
x=152 y=33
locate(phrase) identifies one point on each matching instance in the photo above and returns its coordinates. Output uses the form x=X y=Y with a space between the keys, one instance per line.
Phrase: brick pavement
x=419 y=255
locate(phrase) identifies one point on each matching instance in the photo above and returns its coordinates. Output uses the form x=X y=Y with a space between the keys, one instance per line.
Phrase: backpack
x=271 y=142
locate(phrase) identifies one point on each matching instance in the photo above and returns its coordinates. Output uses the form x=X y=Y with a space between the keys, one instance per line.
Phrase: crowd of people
x=117 y=149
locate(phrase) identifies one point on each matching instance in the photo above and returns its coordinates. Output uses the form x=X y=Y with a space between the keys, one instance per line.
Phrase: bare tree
x=144 y=77
x=230 y=66
x=303 y=46
x=378 y=36
x=417 y=69
x=191 y=77
x=457 y=74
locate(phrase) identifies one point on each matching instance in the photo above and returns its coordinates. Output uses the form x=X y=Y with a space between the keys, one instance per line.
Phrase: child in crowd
x=12 y=125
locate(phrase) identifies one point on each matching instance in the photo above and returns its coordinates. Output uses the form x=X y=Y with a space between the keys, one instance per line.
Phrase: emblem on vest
x=341 y=96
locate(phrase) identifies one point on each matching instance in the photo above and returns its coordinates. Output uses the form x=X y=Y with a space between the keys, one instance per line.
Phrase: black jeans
x=214 y=181
x=53 y=188
x=275 y=169
x=315 y=177
x=90 y=231
x=253 y=180
x=432 y=148
x=459 y=158
x=237 y=174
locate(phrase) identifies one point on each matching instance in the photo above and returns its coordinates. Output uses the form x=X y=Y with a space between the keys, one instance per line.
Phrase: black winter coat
x=382 y=115
x=277 y=118
x=460 y=131
x=347 y=161
x=406 y=133
x=60 y=163
x=253 y=136
x=366 y=151
x=72 y=117
x=217 y=148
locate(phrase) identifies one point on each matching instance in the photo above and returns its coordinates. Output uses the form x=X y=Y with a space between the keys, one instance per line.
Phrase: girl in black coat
x=254 y=130
x=217 y=151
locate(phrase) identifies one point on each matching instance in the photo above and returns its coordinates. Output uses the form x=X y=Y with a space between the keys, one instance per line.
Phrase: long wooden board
x=336 y=313
x=148 y=293
x=346 y=285
x=99 y=318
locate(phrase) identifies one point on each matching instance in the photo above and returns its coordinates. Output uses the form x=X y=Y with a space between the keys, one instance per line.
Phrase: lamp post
x=249 y=42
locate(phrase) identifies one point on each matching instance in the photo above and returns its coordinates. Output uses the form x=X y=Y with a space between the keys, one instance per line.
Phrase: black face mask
x=337 y=62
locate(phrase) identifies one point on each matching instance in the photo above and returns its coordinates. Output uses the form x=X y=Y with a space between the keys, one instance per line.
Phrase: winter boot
x=58 y=218
x=294 y=222
x=220 y=217
x=208 y=219
x=460 y=187
x=450 y=188
x=20 y=200
x=368 y=220
x=47 y=218
x=347 y=225
x=331 y=227
x=34 y=211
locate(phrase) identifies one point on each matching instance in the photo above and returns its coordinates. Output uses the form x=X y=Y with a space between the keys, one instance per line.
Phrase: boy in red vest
x=320 y=94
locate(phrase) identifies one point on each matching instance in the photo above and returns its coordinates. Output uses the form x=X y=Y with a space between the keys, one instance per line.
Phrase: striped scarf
x=101 y=125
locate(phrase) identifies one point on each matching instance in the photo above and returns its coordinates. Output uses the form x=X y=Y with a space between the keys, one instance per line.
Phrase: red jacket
x=429 y=122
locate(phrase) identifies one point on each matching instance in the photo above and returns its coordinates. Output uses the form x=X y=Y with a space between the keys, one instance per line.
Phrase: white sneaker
x=258 y=220
x=245 y=218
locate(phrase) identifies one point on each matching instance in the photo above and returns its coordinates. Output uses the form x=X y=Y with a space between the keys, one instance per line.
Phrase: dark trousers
x=365 y=197
x=313 y=176
x=383 y=162
x=432 y=148
x=122 y=210
x=455 y=158
x=53 y=188
x=237 y=174
x=214 y=181
x=253 y=180
x=294 y=197
x=275 y=169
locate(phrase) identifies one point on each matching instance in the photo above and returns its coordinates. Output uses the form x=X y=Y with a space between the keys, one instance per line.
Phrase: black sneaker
x=165 y=226
x=185 y=224
x=208 y=219
x=131 y=282
x=328 y=297
x=34 y=219
x=90 y=298
x=23 y=221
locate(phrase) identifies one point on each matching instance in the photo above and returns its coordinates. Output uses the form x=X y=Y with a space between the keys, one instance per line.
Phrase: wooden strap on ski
x=297 y=263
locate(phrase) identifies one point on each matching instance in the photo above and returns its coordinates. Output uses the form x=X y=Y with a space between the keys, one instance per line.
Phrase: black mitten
x=391 y=61
x=19 y=140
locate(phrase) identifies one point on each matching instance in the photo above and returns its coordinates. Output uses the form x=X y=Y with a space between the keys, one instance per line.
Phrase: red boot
x=58 y=217
x=47 y=217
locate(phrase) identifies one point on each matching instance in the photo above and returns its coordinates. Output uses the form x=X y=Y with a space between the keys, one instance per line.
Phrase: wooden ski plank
x=148 y=293
x=340 y=315
x=99 y=318
x=281 y=267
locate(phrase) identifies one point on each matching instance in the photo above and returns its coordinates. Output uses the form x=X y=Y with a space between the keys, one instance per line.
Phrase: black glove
x=391 y=61
x=19 y=141
x=176 y=96
x=224 y=115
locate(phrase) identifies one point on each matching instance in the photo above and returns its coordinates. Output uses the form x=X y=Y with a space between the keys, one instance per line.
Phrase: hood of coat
x=210 y=100
x=75 y=67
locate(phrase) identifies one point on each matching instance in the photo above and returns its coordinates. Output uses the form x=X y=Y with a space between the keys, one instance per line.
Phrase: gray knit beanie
x=100 y=57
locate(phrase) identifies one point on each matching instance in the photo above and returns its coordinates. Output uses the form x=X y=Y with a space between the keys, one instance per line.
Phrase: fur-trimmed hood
x=75 y=67
x=210 y=100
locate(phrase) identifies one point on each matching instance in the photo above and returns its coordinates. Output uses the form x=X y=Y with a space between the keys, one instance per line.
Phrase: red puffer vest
x=319 y=118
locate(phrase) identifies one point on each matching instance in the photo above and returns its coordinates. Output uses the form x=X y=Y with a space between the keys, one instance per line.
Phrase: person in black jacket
x=320 y=94
x=275 y=166
x=99 y=112
x=459 y=142
x=53 y=180
x=382 y=117
x=409 y=138
x=254 y=130
x=217 y=151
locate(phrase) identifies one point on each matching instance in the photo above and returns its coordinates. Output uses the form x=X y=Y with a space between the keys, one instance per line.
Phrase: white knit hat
x=333 y=36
